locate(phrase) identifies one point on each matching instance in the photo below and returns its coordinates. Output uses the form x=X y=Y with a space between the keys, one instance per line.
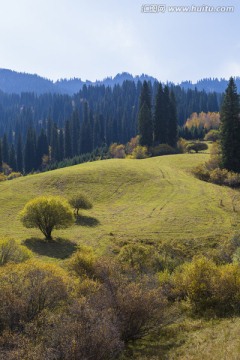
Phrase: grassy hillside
x=151 y=200
x=154 y=200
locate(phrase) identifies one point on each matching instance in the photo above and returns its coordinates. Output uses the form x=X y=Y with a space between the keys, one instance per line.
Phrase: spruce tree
x=30 y=162
x=75 y=127
x=67 y=141
x=12 y=158
x=172 y=123
x=61 y=145
x=160 y=117
x=42 y=148
x=145 y=125
x=86 y=133
x=145 y=96
x=54 y=144
x=96 y=133
x=19 y=154
x=49 y=129
x=230 y=128
x=167 y=112
x=5 y=149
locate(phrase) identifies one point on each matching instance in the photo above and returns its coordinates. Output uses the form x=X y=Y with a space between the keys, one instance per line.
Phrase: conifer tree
x=75 y=127
x=54 y=144
x=67 y=141
x=61 y=145
x=98 y=136
x=19 y=154
x=145 y=96
x=30 y=151
x=5 y=149
x=12 y=158
x=166 y=112
x=49 y=129
x=230 y=128
x=172 y=123
x=160 y=117
x=42 y=148
x=145 y=126
x=165 y=117
x=86 y=133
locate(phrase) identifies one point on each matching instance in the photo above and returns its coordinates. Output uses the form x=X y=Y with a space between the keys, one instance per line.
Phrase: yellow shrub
x=195 y=282
x=140 y=152
x=82 y=262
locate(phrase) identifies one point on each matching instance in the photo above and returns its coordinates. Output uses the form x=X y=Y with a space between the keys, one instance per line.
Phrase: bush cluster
x=210 y=289
x=91 y=309
x=217 y=176
x=133 y=150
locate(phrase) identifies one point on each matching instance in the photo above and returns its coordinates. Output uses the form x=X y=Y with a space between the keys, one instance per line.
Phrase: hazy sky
x=93 y=39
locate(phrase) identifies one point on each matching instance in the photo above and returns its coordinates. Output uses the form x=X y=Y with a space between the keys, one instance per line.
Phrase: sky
x=94 y=39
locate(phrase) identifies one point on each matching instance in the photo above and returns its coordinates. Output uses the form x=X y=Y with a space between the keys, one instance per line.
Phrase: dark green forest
x=62 y=127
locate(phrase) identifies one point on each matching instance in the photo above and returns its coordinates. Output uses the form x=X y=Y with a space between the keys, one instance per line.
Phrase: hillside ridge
x=152 y=200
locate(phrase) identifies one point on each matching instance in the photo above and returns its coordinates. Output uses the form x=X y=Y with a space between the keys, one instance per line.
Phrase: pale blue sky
x=93 y=39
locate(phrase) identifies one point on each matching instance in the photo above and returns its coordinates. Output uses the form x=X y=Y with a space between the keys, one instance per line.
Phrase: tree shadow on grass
x=87 y=221
x=58 y=248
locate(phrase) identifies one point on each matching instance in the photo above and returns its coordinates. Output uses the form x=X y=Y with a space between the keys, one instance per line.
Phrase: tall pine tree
x=5 y=149
x=145 y=126
x=165 y=117
x=230 y=128
x=30 y=162
x=172 y=122
x=61 y=145
x=42 y=148
x=160 y=117
x=12 y=158
x=67 y=141
x=54 y=144
x=75 y=127
x=19 y=154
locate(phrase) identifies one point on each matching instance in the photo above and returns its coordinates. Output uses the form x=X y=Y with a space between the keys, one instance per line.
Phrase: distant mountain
x=15 y=82
x=210 y=85
x=120 y=78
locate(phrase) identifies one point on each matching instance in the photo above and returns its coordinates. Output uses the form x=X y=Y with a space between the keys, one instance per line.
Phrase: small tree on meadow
x=196 y=146
x=46 y=214
x=80 y=201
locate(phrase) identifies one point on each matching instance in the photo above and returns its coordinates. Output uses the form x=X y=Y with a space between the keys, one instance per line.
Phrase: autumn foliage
x=210 y=120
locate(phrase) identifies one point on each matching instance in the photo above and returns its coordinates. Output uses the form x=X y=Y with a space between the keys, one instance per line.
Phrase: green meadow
x=155 y=200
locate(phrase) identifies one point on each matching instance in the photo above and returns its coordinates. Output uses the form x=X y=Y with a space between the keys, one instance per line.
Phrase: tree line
x=40 y=130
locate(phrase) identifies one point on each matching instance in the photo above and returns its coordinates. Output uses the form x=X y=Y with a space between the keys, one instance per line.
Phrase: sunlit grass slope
x=151 y=200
